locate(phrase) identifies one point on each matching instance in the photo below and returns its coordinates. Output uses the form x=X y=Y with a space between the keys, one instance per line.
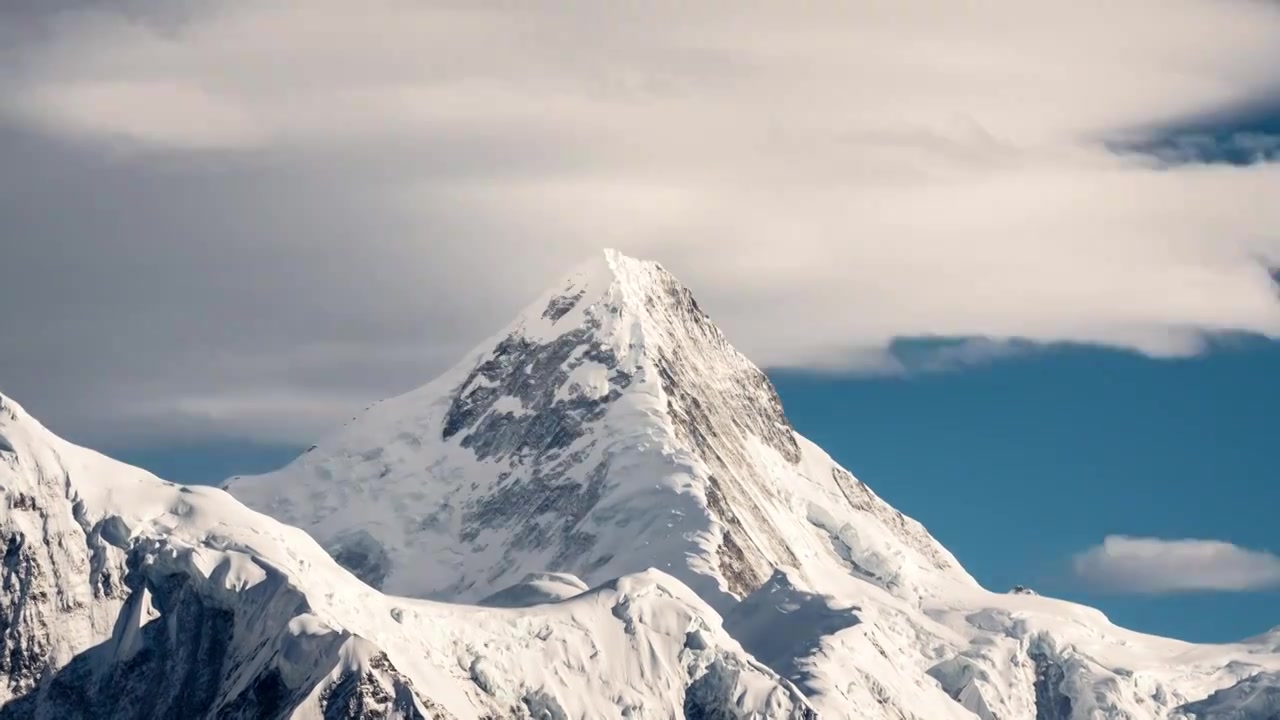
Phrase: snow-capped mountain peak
x=610 y=428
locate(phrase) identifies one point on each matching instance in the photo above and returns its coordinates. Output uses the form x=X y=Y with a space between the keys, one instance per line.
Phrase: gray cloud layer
x=1151 y=565
x=251 y=217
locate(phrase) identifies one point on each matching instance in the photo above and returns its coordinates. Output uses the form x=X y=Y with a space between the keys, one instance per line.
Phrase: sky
x=226 y=225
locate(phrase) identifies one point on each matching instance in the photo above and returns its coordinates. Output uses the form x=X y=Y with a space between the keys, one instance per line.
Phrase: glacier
x=600 y=512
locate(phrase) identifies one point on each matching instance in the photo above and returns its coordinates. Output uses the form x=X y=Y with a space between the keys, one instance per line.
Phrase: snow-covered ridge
x=126 y=596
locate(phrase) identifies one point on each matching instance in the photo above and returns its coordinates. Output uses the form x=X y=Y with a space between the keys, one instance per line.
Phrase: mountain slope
x=612 y=428
x=124 y=596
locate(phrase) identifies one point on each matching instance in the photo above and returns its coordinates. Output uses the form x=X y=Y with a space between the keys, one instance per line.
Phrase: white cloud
x=159 y=112
x=826 y=179
x=1151 y=565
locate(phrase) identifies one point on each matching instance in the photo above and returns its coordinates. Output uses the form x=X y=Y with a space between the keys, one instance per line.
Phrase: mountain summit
x=610 y=428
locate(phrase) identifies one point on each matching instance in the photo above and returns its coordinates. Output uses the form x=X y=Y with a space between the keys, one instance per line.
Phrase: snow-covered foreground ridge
x=610 y=430
x=125 y=596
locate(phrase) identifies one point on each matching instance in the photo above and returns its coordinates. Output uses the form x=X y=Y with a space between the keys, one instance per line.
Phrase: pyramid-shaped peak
x=637 y=274
x=615 y=266
x=616 y=295
x=608 y=268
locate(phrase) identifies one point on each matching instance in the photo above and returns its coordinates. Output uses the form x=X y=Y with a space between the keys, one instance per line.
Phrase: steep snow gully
x=602 y=512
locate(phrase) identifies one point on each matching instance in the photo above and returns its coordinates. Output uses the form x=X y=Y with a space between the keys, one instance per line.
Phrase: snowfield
x=601 y=512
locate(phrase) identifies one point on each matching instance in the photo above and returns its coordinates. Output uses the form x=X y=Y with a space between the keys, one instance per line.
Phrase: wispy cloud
x=1151 y=565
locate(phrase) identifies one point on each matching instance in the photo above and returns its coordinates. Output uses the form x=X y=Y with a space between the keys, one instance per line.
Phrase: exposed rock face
x=362 y=555
x=538 y=419
x=377 y=691
x=58 y=568
x=1051 y=702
